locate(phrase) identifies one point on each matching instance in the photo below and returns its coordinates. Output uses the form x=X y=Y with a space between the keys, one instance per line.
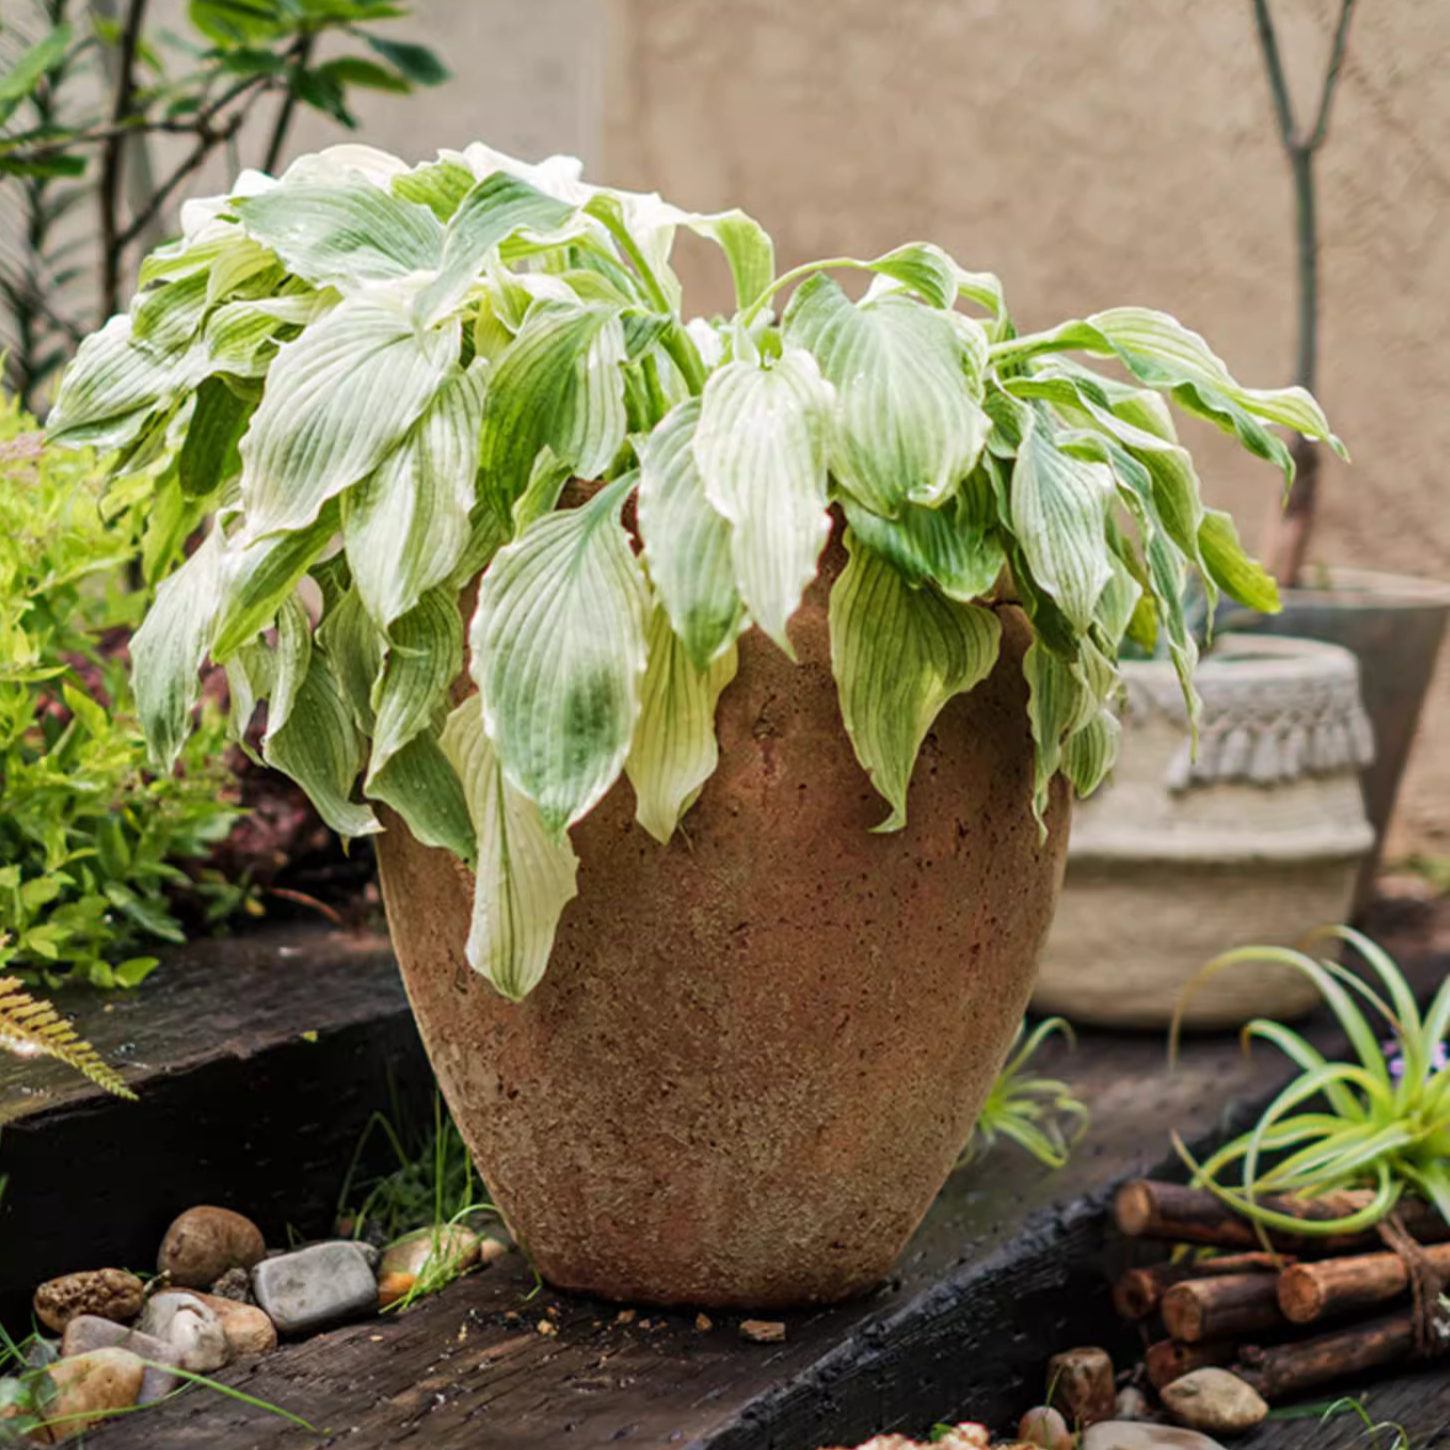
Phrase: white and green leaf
x=760 y=446
x=674 y=750
x=899 y=654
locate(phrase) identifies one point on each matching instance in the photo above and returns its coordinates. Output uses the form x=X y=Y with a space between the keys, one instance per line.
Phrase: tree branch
x=303 y=53
x=1331 y=75
x=112 y=161
x=1278 y=86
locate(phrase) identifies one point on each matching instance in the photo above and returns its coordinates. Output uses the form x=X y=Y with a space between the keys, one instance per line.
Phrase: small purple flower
x=1439 y=1058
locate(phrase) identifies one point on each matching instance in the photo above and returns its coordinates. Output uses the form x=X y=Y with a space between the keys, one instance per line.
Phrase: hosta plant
x=379 y=379
x=1378 y=1121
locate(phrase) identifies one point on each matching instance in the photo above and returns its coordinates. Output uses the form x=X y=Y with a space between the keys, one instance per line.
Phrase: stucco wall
x=1094 y=152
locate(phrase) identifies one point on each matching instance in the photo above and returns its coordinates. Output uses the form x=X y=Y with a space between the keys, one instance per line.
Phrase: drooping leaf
x=168 y=650
x=686 y=543
x=1059 y=508
x=113 y=386
x=955 y=547
x=760 y=446
x=559 y=653
x=1057 y=706
x=337 y=401
x=342 y=234
x=1233 y=570
x=320 y=748
x=405 y=526
x=210 y=457
x=924 y=268
x=525 y=874
x=899 y=654
x=674 y=751
x=1091 y=752
x=747 y=246
x=419 y=782
x=424 y=658
x=905 y=426
x=558 y=385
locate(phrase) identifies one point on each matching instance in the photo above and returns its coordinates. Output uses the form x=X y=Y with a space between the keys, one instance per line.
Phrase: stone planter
x=757 y=1052
x=1259 y=840
x=1394 y=625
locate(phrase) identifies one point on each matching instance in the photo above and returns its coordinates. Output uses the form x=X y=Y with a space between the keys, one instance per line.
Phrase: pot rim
x=1352 y=587
x=1248 y=657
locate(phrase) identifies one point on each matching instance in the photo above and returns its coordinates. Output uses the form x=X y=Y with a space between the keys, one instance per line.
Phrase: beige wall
x=1094 y=152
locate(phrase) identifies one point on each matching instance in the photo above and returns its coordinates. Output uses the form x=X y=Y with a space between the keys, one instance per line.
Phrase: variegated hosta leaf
x=899 y=654
x=169 y=316
x=209 y=457
x=498 y=207
x=354 y=647
x=256 y=575
x=558 y=385
x=405 y=526
x=242 y=337
x=1057 y=706
x=410 y=693
x=419 y=782
x=686 y=543
x=1159 y=349
x=760 y=446
x=320 y=748
x=1233 y=570
x=954 y=547
x=747 y=246
x=558 y=652
x=1059 y=514
x=1090 y=753
x=288 y=661
x=1167 y=577
x=336 y=402
x=905 y=426
x=925 y=269
x=342 y=234
x=524 y=875
x=1118 y=603
x=674 y=751
x=438 y=185
x=113 y=385
x=168 y=650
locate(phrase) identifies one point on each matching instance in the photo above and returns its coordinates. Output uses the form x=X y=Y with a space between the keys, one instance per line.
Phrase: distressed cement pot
x=1394 y=625
x=1258 y=840
x=757 y=1052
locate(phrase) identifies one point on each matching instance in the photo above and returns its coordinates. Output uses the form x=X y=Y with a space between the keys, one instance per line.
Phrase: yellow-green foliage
x=30 y=1027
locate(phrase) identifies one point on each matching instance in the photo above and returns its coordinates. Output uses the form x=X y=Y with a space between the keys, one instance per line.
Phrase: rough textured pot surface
x=1394 y=625
x=756 y=1052
x=1256 y=840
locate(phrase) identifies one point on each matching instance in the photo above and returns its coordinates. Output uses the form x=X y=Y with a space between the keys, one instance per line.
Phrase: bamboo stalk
x=1177 y=1213
x=1229 y=1307
x=1332 y=1286
x=1290 y=1369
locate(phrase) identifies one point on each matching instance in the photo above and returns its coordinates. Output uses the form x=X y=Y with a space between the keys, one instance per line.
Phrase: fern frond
x=30 y=1026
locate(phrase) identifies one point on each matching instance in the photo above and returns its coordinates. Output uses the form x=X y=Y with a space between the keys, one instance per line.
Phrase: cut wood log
x=1222 y=1308
x=1138 y=1292
x=1334 y=1286
x=1176 y=1213
x=1287 y=1370
x=1168 y=1360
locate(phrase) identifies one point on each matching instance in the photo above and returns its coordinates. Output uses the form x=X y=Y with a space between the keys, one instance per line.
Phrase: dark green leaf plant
x=379 y=377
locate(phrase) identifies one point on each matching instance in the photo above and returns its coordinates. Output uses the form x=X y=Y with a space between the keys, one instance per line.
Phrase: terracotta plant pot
x=1260 y=839
x=757 y=1052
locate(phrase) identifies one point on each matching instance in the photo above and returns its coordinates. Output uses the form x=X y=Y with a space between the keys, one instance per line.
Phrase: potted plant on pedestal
x=613 y=623
x=1394 y=624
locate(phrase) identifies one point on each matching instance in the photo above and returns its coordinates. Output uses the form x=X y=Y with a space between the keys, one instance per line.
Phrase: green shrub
x=89 y=837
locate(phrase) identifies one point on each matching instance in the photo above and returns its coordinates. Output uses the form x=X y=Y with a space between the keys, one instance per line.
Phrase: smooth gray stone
x=315 y=1287
x=191 y=1327
x=1135 y=1435
x=88 y=1331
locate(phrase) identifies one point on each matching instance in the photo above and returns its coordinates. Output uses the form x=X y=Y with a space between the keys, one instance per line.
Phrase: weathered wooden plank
x=236 y=1105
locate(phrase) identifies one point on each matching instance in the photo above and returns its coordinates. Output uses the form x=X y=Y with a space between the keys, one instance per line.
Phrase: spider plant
x=1379 y=1122
x=1039 y=1114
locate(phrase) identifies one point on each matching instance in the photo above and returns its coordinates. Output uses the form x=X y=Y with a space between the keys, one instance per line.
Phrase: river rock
x=106 y=1293
x=247 y=1328
x=234 y=1284
x=86 y=1333
x=204 y=1242
x=491 y=1249
x=1134 y=1435
x=1132 y=1404
x=1214 y=1399
x=1081 y=1383
x=393 y=1287
x=447 y=1250
x=314 y=1287
x=193 y=1329
x=1045 y=1427
x=86 y=1387
x=762 y=1331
